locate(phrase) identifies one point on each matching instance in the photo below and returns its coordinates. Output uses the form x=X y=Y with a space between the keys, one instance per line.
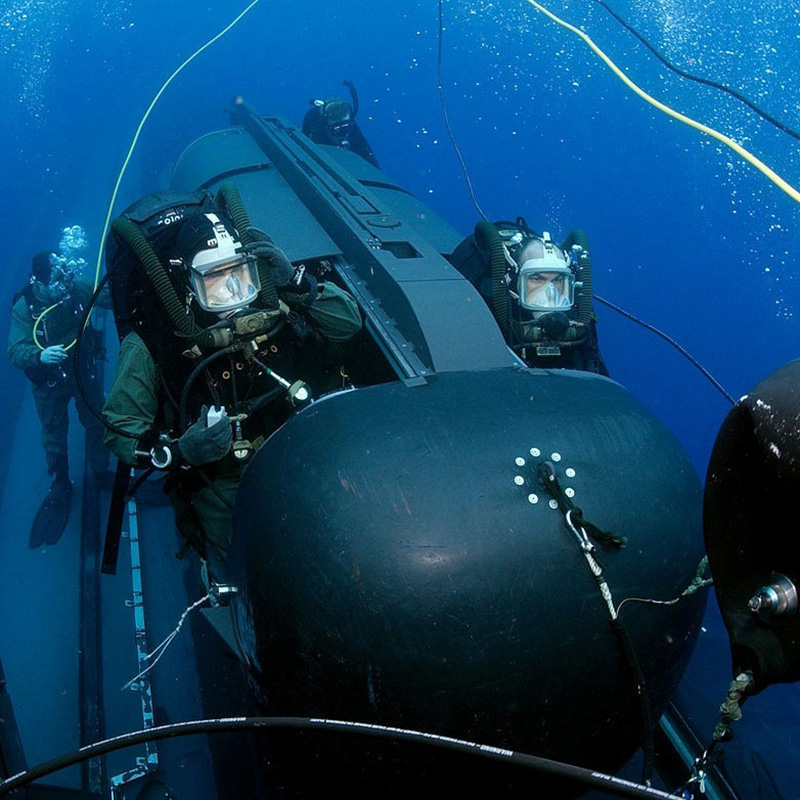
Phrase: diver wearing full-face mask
x=540 y=292
x=333 y=121
x=222 y=339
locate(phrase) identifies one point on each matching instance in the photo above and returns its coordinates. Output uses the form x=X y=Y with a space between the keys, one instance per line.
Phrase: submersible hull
x=400 y=556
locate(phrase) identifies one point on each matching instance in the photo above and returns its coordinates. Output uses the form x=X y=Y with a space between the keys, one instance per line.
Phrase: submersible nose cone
x=388 y=563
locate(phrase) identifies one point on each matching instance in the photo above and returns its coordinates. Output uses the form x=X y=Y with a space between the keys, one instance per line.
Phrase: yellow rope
x=746 y=155
x=128 y=158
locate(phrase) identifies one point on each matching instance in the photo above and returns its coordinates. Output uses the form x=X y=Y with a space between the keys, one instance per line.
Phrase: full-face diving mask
x=545 y=282
x=340 y=132
x=338 y=118
x=223 y=278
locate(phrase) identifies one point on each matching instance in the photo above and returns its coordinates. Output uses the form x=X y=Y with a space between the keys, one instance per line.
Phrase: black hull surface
x=394 y=570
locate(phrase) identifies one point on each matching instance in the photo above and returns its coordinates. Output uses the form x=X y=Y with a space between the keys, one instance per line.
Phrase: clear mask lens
x=340 y=130
x=546 y=289
x=226 y=287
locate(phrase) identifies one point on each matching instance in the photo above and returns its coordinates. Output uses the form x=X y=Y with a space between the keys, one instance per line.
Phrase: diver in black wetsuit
x=540 y=293
x=333 y=121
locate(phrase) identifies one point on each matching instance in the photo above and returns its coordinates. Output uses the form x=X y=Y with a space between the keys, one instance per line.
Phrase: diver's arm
x=22 y=350
x=353 y=95
x=334 y=313
x=132 y=403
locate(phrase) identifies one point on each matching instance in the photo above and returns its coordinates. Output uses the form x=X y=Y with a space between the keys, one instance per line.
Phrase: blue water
x=685 y=234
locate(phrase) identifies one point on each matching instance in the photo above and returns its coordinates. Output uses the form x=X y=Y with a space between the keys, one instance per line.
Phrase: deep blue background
x=684 y=233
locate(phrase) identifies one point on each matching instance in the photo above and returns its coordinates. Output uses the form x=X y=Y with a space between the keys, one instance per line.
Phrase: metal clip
x=581 y=536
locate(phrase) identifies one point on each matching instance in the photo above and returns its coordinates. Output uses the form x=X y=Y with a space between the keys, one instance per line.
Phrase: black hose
x=608 y=783
x=585 y=305
x=763 y=114
x=488 y=239
x=229 y=198
x=174 y=306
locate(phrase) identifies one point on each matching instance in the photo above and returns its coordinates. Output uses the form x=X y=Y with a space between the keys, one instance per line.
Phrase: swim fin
x=52 y=516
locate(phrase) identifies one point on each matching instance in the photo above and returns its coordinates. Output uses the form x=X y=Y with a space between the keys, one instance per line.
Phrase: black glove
x=278 y=266
x=285 y=278
x=202 y=445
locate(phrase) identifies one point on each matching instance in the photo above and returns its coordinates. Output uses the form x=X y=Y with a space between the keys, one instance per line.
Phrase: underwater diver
x=46 y=317
x=333 y=121
x=221 y=339
x=539 y=292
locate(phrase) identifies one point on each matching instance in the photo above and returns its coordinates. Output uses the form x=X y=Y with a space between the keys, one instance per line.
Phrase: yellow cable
x=746 y=155
x=128 y=158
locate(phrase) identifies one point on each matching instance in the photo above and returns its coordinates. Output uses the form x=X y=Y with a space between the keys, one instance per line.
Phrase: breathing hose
x=228 y=196
x=488 y=239
x=146 y=256
x=585 y=305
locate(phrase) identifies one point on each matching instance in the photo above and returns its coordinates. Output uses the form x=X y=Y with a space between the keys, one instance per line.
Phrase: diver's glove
x=202 y=444
x=285 y=277
x=54 y=354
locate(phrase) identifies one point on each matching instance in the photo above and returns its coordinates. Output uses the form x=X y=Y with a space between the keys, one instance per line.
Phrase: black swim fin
x=51 y=518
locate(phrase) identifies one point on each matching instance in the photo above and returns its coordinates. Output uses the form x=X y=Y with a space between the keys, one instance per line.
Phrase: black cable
x=599 y=780
x=648 y=743
x=777 y=123
x=447 y=121
x=666 y=338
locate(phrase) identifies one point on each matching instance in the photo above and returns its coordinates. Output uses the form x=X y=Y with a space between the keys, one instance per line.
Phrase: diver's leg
x=214 y=507
x=203 y=516
x=51 y=406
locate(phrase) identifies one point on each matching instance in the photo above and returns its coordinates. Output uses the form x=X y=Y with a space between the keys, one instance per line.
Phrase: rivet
x=553 y=504
x=519 y=461
x=569 y=492
x=570 y=472
x=533 y=499
x=556 y=456
x=535 y=452
x=519 y=480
